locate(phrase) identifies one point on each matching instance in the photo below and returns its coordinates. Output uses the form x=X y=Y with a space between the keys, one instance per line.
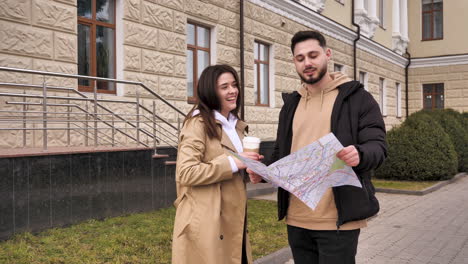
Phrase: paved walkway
x=429 y=229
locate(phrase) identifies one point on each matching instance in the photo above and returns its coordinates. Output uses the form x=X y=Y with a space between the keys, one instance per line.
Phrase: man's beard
x=312 y=80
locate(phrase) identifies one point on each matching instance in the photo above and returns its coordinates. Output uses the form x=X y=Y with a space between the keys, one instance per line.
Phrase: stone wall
x=151 y=43
x=455 y=79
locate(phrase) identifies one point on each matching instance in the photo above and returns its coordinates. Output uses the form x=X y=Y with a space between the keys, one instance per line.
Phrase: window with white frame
x=398 y=99
x=261 y=73
x=363 y=79
x=383 y=96
x=338 y=67
x=198 y=56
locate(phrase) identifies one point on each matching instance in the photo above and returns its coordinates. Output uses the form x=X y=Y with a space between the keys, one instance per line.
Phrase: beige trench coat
x=211 y=200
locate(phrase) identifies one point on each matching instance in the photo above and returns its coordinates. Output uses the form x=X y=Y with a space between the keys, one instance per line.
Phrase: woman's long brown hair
x=207 y=99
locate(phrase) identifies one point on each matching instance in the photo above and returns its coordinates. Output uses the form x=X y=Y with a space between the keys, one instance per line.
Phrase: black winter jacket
x=355 y=120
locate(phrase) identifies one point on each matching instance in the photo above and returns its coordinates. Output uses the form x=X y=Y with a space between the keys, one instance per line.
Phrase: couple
x=210 y=222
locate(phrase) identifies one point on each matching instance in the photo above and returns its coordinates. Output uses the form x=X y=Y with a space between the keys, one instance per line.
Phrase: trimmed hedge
x=419 y=150
x=451 y=122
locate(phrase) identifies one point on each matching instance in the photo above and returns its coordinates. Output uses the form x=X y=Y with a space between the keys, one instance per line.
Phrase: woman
x=211 y=197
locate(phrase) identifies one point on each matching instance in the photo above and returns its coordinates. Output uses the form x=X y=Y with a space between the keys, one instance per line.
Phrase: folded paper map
x=308 y=172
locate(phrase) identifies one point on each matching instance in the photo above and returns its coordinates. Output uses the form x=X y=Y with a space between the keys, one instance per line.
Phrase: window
x=383 y=95
x=432 y=19
x=198 y=56
x=363 y=79
x=338 y=67
x=96 y=43
x=398 y=99
x=381 y=13
x=433 y=96
x=261 y=73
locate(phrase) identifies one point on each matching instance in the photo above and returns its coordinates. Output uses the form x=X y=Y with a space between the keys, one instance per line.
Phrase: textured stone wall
x=37 y=35
x=455 y=79
x=276 y=30
x=41 y=35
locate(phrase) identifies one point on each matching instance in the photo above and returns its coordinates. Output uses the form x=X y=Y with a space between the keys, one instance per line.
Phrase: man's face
x=311 y=60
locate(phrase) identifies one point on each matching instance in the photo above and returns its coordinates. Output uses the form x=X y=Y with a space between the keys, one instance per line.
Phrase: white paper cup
x=251 y=144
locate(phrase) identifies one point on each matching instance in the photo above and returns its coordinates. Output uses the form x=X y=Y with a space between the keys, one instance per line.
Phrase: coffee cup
x=251 y=144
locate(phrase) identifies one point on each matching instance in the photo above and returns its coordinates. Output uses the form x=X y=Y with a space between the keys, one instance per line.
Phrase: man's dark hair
x=305 y=35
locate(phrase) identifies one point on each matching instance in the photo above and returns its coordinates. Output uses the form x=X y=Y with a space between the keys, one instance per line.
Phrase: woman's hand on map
x=349 y=155
x=254 y=177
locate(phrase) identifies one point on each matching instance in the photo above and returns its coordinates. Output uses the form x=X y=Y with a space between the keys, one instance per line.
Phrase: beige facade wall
x=383 y=35
x=454 y=78
x=263 y=120
x=37 y=35
x=455 y=39
x=151 y=48
x=341 y=13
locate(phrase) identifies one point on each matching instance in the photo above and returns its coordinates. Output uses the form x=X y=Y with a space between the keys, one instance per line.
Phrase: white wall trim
x=439 y=61
x=213 y=45
x=398 y=100
x=271 y=75
x=364 y=82
x=119 y=47
x=306 y=17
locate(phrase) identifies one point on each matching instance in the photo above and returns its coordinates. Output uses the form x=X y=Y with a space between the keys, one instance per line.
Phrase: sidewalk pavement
x=410 y=229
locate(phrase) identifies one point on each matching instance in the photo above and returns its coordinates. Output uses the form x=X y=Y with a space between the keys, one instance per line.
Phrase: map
x=308 y=172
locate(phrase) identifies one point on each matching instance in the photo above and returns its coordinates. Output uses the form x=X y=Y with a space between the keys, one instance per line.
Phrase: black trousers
x=323 y=247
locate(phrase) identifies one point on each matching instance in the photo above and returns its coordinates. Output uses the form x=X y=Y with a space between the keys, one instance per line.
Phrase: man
x=328 y=102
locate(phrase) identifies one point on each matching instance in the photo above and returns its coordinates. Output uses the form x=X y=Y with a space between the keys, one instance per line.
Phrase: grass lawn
x=403 y=185
x=136 y=238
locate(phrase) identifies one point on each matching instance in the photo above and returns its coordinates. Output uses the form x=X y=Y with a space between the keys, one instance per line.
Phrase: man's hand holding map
x=308 y=172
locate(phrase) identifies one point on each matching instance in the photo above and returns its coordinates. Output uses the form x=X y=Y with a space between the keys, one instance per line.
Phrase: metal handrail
x=76 y=76
x=138 y=120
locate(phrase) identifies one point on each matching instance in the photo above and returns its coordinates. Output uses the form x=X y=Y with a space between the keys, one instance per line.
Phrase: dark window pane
x=439 y=101
x=438 y=25
x=203 y=60
x=190 y=34
x=427 y=88
x=190 y=73
x=105 y=11
x=84 y=60
x=84 y=8
x=427 y=101
x=427 y=30
x=438 y=6
x=427 y=7
x=105 y=56
x=203 y=37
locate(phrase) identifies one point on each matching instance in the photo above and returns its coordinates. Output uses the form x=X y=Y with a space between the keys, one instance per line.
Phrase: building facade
x=410 y=55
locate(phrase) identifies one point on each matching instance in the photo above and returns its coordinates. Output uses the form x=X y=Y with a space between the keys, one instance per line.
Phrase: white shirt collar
x=229 y=127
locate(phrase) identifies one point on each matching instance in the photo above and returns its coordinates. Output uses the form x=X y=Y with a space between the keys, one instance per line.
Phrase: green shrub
x=419 y=150
x=451 y=122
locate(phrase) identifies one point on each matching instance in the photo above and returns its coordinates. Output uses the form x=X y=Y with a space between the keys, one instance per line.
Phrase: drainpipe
x=355 y=40
x=242 y=63
x=408 y=55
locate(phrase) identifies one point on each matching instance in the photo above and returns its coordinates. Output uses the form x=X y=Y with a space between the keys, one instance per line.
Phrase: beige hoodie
x=312 y=120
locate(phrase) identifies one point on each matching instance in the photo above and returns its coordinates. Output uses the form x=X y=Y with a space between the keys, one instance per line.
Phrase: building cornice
x=303 y=15
x=439 y=61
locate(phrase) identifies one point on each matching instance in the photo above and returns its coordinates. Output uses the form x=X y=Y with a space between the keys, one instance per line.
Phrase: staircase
x=40 y=109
